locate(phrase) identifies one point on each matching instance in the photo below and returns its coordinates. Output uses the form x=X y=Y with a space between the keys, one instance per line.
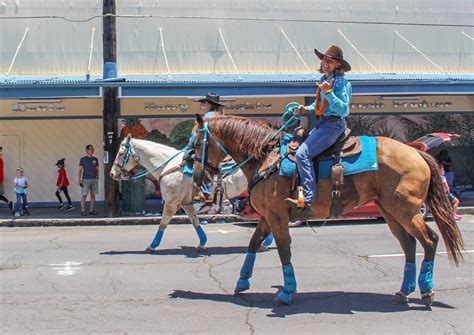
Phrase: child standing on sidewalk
x=21 y=184
x=61 y=186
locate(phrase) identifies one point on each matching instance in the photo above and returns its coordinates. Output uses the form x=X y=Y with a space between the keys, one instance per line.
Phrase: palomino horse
x=176 y=187
x=405 y=179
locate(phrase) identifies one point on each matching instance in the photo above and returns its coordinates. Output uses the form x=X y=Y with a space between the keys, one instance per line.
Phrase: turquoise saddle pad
x=188 y=169
x=363 y=162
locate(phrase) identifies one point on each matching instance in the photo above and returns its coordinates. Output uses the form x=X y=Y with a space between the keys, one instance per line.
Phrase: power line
x=268 y=19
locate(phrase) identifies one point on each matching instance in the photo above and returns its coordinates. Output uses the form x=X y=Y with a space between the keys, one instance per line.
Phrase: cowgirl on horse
x=331 y=108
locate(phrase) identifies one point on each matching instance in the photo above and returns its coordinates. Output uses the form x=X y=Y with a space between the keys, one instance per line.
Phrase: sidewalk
x=54 y=217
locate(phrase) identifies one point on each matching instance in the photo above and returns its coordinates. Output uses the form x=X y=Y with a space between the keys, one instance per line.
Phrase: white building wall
x=36 y=145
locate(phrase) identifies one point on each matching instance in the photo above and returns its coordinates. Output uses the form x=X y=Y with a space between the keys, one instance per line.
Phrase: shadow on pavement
x=190 y=252
x=336 y=302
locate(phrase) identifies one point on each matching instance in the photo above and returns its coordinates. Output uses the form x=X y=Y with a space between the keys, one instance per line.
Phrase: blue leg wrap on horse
x=425 y=279
x=289 y=286
x=409 y=279
x=268 y=241
x=246 y=271
x=289 y=279
x=157 y=240
x=202 y=235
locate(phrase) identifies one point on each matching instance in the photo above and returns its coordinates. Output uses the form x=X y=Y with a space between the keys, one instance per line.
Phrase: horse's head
x=209 y=152
x=125 y=161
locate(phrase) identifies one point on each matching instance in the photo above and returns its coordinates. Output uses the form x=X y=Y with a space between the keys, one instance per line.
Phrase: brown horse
x=405 y=179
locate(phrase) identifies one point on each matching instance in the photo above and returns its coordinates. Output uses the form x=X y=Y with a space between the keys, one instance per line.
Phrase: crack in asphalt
x=247 y=321
x=112 y=281
x=211 y=275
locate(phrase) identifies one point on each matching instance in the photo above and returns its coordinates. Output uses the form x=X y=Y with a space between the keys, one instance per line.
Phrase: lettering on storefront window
x=421 y=104
x=243 y=106
x=230 y=106
x=47 y=107
x=368 y=105
x=402 y=105
x=152 y=107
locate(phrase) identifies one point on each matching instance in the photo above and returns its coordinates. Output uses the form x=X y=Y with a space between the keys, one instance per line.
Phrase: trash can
x=133 y=196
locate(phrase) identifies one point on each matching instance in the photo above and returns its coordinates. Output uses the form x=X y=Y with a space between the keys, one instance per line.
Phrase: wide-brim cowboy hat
x=213 y=99
x=334 y=52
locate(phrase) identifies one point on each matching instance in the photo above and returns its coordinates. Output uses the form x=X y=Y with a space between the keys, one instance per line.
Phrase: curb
x=118 y=221
x=465 y=210
x=155 y=220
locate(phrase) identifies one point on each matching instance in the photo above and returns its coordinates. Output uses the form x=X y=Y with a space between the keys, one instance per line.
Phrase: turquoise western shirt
x=338 y=99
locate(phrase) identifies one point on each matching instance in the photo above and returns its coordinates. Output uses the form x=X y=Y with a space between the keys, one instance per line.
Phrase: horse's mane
x=155 y=145
x=251 y=136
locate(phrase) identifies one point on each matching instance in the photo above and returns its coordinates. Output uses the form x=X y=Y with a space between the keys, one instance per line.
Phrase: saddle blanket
x=365 y=161
x=188 y=169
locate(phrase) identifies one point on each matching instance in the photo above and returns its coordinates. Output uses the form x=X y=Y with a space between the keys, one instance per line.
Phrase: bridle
x=203 y=159
x=289 y=120
x=130 y=152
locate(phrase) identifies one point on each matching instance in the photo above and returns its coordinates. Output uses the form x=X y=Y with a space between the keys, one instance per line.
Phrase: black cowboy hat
x=334 y=52
x=60 y=162
x=213 y=99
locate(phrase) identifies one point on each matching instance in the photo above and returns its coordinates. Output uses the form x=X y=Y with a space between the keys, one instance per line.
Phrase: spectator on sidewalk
x=454 y=201
x=21 y=185
x=88 y=179
x=445 y=160
x=61 y=186
x=2 y=180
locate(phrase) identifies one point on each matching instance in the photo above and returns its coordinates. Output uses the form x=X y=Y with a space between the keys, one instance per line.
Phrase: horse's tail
x=440 y=208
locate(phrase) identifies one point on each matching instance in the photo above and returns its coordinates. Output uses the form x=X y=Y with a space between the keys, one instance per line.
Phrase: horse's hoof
x=400 y=299
x=428 y=298
x=262 y=248
x=201 y=248
x=238 y=290
x=149 y=250
x=242 y=285
x=283 y=298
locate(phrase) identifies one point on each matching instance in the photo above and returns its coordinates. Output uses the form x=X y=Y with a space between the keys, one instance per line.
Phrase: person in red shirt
x=61 y=184
x=2 y=179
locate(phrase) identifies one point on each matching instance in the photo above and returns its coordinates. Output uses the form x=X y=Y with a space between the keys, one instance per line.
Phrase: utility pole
x=111 y=106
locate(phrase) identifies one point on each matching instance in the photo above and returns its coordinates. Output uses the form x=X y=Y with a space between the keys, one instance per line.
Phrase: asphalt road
x=91 y=280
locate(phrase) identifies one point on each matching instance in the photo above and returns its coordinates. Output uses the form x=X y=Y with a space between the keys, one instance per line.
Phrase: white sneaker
x=17 y=214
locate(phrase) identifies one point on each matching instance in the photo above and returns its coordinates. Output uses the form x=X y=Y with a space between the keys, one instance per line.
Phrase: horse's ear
x=199 y=120
x=129 y=137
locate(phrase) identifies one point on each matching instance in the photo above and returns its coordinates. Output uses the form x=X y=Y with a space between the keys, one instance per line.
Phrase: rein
x=132 y=152
x=289 y=120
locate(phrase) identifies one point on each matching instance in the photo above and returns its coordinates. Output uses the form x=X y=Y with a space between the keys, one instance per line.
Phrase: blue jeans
x=20 y=199
x=322 y=137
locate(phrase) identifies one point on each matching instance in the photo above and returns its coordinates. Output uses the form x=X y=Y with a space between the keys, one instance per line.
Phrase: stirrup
x=299 y=202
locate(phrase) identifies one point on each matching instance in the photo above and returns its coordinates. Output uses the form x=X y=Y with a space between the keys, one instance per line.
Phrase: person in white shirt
x=21 y=185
